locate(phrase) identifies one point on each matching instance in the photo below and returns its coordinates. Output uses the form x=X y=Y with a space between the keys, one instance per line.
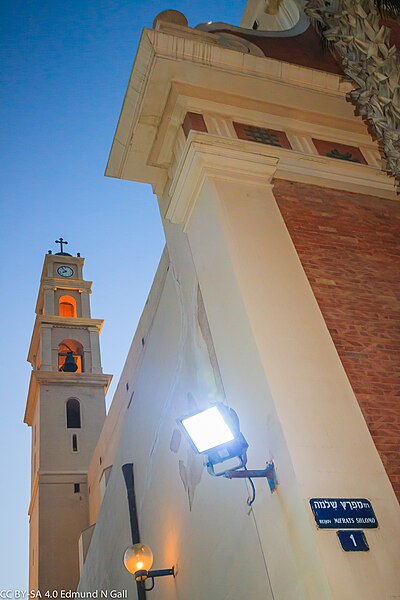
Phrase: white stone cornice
x=167 y=57
x=211 y=156
x=179 y=43
x=70 y=321
x=43 y=473
x=50 y=283
x=131 y=107
x=62 y=378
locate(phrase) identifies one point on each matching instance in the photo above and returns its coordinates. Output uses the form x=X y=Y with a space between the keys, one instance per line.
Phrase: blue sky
x=64 y=72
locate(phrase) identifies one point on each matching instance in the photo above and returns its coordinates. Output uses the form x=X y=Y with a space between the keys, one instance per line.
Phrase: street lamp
x=138 y=560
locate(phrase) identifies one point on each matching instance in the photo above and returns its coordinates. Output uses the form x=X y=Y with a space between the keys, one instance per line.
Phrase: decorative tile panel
x=193 y=121
x=339 y=151
x=262 y=135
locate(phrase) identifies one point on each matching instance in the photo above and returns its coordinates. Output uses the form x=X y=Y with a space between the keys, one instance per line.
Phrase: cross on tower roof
x=62 y=243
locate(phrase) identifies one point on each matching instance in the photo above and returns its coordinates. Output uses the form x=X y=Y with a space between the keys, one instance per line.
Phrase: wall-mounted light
x=138 y=560
x=215 y=432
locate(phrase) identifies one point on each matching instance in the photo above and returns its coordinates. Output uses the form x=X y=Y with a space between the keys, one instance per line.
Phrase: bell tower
x=66 y=410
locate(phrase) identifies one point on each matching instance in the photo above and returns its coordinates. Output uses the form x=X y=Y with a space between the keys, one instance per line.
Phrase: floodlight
x=208 y=429
x=215 y=432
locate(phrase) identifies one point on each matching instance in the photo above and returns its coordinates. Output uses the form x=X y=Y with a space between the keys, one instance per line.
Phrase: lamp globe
x=138 y=557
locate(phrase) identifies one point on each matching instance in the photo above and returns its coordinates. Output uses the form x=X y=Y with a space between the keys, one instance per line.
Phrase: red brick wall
x=349 y=245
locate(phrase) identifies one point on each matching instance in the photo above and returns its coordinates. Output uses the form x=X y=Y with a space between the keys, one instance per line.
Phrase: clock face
x=65 y=271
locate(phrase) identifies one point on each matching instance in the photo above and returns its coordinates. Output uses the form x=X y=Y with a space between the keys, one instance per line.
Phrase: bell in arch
x=69 y=365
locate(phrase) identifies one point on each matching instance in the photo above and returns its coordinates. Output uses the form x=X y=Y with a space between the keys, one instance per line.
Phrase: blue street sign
x=353 y=541
x=346 y=513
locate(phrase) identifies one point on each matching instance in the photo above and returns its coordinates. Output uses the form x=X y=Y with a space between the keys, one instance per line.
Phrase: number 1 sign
x=353 y=541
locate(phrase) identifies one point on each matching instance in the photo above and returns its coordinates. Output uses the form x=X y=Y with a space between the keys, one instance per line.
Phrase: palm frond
x=388 y=8
x=326 y=45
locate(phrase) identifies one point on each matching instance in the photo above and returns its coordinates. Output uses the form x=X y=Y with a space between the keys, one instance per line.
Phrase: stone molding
x=60 y=321
x=205 y=155
x=51 y=283
x=186 y=46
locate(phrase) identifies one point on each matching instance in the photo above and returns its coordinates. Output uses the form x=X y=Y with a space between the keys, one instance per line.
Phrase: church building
x=276 y=304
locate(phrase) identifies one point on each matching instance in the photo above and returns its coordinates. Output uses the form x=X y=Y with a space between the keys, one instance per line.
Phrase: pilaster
x=281 y=372
x=95 y=350
x=48 y=301
x=85 y=300
x=46 y=363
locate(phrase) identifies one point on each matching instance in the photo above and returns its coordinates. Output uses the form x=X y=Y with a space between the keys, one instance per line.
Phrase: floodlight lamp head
x=232 y=456
x=215 y=432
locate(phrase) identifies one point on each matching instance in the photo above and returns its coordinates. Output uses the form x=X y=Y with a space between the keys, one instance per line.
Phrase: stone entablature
x=280 y=138
x=224 y=87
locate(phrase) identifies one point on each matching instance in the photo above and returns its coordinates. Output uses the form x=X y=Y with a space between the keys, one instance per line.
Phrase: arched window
x=67 y=306
x=70 y=353
x=73 y=414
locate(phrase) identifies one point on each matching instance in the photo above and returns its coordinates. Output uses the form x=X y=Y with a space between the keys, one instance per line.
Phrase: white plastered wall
x=193 y=521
